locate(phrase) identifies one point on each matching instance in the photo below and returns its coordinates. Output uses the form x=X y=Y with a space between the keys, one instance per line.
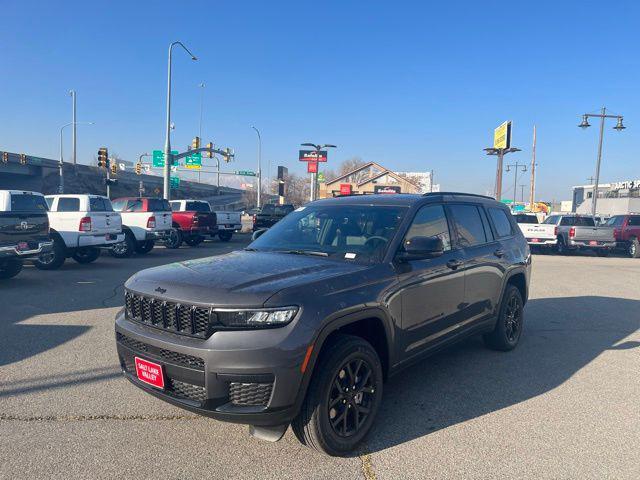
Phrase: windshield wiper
x=304 y=252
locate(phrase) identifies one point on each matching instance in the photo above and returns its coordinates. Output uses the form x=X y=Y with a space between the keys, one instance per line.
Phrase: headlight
x=257 y=318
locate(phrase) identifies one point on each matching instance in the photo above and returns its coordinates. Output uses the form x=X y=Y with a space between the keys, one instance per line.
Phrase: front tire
x=506 y=334
x=174 y=240
x=343 y=397
x=10 y=267
x=126 y=248
x=55 y=258
x=225 y=236
x=634 y=248
x=144 y=247
x=86 y=255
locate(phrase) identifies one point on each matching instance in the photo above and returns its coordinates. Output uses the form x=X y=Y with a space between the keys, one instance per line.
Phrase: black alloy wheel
x=513 y=319
x=510 y=322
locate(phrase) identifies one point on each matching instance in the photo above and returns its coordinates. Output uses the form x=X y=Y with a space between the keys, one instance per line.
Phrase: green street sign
x=246 y=173
x=193 y=161
x=158 y=158
x=174 y=182
x=321 y=178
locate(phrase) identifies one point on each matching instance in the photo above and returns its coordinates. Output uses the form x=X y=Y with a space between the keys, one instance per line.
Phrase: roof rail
x=458 y=193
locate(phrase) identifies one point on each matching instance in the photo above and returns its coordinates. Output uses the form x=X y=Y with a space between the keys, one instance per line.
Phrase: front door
x=432 y=290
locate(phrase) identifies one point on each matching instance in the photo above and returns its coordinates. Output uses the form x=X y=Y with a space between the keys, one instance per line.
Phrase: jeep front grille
x=183 y=319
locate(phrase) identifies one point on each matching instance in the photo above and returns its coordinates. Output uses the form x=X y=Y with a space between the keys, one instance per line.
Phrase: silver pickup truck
x=576 y=232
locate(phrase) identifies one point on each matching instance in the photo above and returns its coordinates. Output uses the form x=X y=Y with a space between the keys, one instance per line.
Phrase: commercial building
x=614 y=198
x=373 y=178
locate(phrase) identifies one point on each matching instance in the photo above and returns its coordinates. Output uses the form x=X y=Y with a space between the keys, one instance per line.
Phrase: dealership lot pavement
x=565 y=404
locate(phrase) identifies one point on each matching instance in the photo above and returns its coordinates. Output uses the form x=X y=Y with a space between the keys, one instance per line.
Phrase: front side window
x=552 y=220
x=501 y=222
x=468 y=224
x=615 y=221
x=431 y=221
x=359 y=233
x=118 y=205
x=633 y=221
x=134 y=205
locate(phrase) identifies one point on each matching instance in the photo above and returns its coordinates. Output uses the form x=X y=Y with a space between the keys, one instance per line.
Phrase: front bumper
x=33 y=250
x=100 y=240
x=219 y=377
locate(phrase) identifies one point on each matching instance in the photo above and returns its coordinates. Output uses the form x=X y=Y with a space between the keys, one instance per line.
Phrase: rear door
x=161 y=210
x=432 y=289
x=484 y=256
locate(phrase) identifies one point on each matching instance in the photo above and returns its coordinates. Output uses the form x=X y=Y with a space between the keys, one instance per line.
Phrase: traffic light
x=114 y=167
x=228 y=154
x=5 y=157
x=138 y=168
x=103 y=157
x=209 y=154
x=195 y=143
x=23 y=159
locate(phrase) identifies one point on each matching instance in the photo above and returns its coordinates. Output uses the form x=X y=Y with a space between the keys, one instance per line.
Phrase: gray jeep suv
x=303 y=326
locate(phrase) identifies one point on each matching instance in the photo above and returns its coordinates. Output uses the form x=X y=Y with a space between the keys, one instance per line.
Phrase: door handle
x=454 y=263
x=499 y=253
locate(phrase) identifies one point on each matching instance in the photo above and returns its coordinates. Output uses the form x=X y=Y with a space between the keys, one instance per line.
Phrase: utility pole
x=431 y=183
x=532 y=187
x=591 y=179
x=73 y=122
x=522 y=192
x=515 y=178
x=167 y=143
x=259 y=199
x=584 y=124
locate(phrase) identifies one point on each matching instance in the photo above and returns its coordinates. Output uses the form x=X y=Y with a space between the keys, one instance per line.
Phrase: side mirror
x=258 y=233
x=417 y=248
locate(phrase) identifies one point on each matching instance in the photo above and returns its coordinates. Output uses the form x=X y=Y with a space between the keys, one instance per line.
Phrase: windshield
x=356 y=233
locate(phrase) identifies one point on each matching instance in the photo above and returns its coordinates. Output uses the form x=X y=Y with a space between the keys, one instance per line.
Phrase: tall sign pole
x=501 y=146
x=532 y=186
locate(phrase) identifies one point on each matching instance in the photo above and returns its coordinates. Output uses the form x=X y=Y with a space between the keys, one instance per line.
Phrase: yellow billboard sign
x=502 y=136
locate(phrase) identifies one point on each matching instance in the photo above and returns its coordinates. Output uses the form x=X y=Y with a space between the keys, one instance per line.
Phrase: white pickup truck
x=144 y=220
x=538 y=235
x=80 y=225
x=228 y=223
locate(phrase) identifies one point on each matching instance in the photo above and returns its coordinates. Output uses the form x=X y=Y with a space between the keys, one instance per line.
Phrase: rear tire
x=144 y=247
x=55 y=258
x=561 y=247
x=634 y=248
x=86 y=255
x=225 y=236
x=126 y=248
x=506 y=334
x=10 y=267
x=332 y=419
x=174 y=239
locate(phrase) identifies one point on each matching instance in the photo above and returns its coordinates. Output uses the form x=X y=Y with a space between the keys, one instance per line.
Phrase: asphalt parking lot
x=564 y=404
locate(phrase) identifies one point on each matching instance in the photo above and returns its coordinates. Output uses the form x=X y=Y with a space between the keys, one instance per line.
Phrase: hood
x=237 y=279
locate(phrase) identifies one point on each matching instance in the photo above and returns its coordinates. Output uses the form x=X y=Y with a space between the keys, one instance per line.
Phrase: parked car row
x=47 y=230
x=569 y=233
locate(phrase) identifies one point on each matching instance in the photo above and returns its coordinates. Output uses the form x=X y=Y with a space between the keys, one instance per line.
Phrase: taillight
x=195 y=218
x=572 y=232
x=555 y=231
x=254 y=218
x=151 y=222
x=85 y=224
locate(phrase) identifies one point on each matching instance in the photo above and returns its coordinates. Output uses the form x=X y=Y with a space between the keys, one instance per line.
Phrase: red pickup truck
x=626 y=230
x=192 y=221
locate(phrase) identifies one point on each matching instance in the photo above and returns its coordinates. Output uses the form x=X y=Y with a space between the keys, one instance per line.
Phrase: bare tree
x=350 y=164
x=297 y=189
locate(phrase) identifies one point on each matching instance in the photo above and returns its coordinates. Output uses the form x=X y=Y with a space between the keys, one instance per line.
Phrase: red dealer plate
x=535 y=240
x=593 y=242
x=149 y=372
x=23 y=246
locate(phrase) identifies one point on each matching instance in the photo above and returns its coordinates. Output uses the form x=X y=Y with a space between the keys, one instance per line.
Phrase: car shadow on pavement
x=561 y=336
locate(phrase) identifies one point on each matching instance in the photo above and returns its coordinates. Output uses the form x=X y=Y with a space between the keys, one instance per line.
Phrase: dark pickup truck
x=24 y=229
x=270 y=214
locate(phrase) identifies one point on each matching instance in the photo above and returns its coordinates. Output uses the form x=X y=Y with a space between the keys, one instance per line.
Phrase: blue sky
x=411 y=85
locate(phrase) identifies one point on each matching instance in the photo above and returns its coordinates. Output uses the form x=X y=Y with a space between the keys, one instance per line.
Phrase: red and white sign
x=312 y=167
x=149 y=372
x=312 y=156
x=345 y=189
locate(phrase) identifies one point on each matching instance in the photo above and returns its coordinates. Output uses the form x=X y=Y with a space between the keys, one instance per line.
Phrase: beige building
x=367 y=179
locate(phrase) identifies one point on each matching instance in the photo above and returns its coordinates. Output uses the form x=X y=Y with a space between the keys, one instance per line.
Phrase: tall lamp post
x=61 y=161
x=259 y=199
x=167 y=143
x=585 y=124
x=201 y=85
x=314 y=176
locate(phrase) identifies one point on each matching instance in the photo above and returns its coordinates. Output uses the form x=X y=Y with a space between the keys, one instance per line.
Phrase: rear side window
x=430 y=221
x=158 y=205
x=68 y=204
x=501 y=222
x=118 y=205
x=99 y=204
x=175 y=206
x=28 y=203
x=468 y=224
x=634 y=221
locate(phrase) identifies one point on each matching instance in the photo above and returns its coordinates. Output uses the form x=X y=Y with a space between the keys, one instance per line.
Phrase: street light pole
x=167 y=143
x=259 y=201
x=201 y=85
x=74 y=123
x=584 y=124
x=61 y=161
